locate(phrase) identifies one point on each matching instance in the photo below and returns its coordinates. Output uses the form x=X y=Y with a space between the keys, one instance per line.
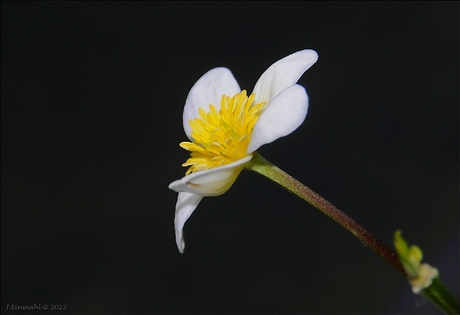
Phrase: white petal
x=284 y=114
x=282 y=74
x=213 y=182
x=206 y=91
x=186 y=204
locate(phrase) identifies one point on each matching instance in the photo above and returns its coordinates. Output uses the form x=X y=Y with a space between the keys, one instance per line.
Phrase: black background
x=92 y=98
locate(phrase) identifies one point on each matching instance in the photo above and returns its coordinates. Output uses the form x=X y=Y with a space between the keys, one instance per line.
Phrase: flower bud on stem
x=434 y=291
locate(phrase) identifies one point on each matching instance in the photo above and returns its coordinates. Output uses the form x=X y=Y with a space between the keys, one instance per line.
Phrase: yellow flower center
x=222 y=137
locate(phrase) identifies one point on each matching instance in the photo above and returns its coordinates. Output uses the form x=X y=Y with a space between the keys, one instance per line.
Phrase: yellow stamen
x=222 y=137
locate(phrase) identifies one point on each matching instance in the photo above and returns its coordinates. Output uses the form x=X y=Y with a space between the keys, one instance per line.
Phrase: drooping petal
x=213 y=182
x=206 y=91
x=284 y=114
x=282 y=74
x=186 y=204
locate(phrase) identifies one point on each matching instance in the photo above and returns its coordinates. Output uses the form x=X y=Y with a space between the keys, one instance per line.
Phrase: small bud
x=420 y=275
x=425 y=278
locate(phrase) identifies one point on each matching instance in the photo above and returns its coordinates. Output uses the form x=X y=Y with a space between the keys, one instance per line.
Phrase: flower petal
x=284 y=114
x=186 y=204
x=282 y=74
x=213 y=182
x=206 y=91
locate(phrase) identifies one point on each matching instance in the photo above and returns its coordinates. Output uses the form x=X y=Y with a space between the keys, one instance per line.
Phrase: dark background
x=92 y=99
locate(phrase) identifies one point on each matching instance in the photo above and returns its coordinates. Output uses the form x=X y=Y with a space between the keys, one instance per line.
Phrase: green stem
x=264 y=167
x=438 y=294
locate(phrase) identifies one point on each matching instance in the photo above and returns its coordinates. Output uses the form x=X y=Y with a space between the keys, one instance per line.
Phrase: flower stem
x=260 y=165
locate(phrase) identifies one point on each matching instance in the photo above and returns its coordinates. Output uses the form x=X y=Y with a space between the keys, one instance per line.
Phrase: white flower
x=225 y=127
